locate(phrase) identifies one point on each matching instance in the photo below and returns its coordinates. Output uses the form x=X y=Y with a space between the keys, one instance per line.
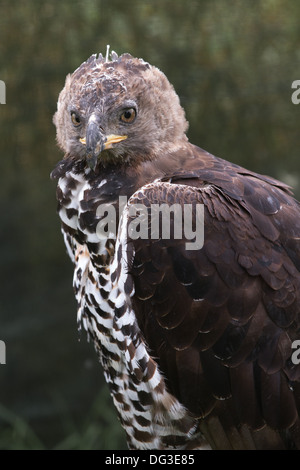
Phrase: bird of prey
x=198 y=339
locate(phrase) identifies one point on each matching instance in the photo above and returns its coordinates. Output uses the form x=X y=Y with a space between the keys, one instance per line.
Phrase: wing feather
x=220 y=320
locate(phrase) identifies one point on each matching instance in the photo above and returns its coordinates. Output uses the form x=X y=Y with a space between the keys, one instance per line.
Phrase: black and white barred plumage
x=195 y=345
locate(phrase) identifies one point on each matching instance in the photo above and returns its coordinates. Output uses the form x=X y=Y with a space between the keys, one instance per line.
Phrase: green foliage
x=100 y=429
x=232 y=64
x=16 y=434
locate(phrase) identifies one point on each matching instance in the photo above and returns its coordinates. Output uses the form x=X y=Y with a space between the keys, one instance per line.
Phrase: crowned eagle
x=196 y=340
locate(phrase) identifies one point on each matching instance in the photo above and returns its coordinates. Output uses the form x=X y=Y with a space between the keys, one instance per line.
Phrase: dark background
x=232 y=63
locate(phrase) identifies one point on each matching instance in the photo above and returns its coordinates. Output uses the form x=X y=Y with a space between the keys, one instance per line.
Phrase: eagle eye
x=128 y=115
x=75 y=119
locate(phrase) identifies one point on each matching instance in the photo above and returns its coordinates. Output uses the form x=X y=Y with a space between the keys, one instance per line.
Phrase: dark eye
x=75 y=119
x=128 y=115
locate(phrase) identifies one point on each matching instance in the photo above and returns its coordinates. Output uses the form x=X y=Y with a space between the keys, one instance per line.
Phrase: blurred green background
x=232 y=63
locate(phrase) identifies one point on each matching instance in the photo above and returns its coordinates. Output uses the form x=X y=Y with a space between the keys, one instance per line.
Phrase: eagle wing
x=221 y=320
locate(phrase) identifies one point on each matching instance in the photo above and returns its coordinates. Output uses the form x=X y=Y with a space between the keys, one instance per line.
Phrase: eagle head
x=118 y=110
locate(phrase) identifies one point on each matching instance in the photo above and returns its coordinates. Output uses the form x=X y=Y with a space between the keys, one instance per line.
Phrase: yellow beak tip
x=113 y=139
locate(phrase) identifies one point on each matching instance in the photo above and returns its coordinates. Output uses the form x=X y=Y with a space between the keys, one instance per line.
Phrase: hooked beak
x=96 y=141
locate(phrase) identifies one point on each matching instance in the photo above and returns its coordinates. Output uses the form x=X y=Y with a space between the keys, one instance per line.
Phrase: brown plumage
x=196 y=345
